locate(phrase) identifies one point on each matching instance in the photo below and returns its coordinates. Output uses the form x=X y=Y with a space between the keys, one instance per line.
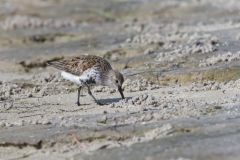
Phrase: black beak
x=121 y=92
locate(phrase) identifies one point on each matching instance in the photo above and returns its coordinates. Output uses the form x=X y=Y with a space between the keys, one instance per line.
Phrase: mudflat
x=180 y=60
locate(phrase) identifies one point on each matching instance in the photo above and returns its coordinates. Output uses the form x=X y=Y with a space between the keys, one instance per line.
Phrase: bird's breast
x=92 y=76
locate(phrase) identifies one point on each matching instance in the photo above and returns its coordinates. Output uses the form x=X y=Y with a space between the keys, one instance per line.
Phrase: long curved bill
x=121 y=92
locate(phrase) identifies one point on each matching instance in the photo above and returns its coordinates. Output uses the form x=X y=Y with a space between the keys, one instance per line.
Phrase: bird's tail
x=56 y=63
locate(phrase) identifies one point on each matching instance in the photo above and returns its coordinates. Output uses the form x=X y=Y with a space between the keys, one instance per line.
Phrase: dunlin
x=89 y=70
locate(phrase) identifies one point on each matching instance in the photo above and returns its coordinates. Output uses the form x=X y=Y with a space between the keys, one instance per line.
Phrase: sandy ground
x=180 y=60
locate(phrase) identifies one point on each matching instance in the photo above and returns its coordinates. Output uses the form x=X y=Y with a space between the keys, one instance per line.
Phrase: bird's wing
x=77 y=65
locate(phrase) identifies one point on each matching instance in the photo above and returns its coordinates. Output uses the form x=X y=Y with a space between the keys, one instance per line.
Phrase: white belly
x=90 y=76
x=71 y=77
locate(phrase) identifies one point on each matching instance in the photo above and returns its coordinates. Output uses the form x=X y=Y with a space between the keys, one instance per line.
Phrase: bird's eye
x=116 y=81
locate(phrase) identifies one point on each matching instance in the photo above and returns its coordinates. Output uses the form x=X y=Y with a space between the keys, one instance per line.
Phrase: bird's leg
x=90 y=93
x=78 y=98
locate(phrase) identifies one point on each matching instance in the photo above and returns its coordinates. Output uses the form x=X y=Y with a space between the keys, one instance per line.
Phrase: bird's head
x=116 y=80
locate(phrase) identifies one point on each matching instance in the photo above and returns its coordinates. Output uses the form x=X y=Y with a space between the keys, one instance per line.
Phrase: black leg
x=78 y=98
x=90 y=93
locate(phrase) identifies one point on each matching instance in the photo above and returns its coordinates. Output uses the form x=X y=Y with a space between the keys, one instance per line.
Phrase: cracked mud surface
x=180 y=60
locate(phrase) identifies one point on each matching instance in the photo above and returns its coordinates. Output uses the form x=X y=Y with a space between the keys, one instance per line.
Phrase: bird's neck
x=108 y=78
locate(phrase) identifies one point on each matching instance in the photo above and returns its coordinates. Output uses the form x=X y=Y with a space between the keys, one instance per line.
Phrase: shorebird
x=89 y=70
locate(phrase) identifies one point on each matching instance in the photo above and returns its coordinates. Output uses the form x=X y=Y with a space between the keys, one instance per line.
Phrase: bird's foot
x=78 y=103
x=99 y=103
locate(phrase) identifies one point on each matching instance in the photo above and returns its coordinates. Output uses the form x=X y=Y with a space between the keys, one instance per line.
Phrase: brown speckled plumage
x=87 y=70
x=77 y=65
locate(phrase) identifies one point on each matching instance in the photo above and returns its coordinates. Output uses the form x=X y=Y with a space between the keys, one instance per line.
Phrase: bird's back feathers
x=77 y=65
